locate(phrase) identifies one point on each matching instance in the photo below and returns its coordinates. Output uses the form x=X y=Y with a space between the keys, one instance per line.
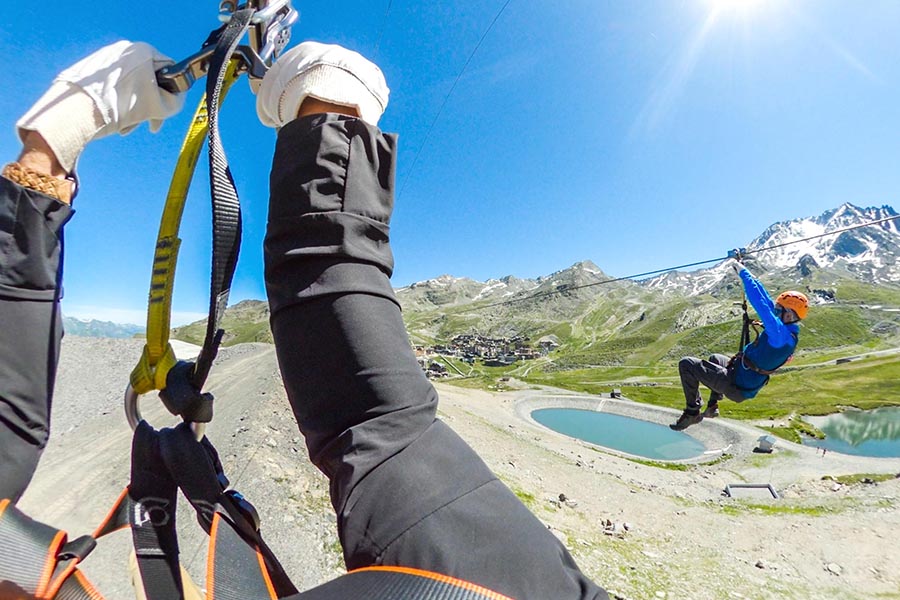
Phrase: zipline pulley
x=737 y=254
x=269 y=34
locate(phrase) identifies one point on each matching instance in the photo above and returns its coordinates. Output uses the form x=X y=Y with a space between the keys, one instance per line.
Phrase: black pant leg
x=30 y=328
x=713 y=374
x=27 y=370
x=407 y=490
x=690 y=369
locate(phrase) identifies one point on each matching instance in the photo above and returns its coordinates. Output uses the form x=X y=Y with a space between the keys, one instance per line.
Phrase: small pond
x=625 y=434
x=860 y=432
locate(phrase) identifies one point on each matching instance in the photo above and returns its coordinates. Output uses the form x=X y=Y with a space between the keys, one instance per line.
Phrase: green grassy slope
x=632 y=338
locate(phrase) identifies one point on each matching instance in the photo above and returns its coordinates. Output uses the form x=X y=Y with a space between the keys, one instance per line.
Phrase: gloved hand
x=734 y=264
x=111 y=91
x=329 y=73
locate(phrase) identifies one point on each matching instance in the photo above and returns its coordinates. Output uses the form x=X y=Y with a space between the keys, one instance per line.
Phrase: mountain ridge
x=601 y=319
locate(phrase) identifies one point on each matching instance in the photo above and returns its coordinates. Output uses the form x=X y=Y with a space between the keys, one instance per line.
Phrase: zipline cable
x=564 y=289
x=605 y=281
x=821 y=235
x=384 y=22
x=447 y=97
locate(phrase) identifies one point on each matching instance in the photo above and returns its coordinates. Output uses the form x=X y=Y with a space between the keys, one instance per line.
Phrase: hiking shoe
x=711 y=412
x=686 y=420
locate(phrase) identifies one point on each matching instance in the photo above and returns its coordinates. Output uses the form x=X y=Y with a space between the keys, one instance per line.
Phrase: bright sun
x=742 y=6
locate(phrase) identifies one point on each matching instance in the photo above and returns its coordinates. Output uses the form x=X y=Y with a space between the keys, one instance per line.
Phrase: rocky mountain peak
x=870 y=253
x=806 y=265
x=796 y=248
x=801 y=246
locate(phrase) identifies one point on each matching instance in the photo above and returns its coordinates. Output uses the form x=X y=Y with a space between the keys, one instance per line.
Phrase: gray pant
x=407 y=490
x=30 y=328
x=712 y=373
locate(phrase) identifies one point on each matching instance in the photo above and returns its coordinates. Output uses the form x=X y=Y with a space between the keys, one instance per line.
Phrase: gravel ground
x=639 y=530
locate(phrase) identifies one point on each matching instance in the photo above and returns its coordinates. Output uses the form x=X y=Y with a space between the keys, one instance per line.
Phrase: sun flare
x=735 y=6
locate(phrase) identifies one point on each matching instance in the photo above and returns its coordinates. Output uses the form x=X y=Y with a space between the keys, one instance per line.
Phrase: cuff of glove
x=66 y=118
x=330 y=84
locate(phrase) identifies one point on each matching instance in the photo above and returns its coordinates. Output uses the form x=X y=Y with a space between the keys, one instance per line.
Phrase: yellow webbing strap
x=158 y=356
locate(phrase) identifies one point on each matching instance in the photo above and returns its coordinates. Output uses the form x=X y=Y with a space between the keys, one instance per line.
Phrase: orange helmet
x=795 y=301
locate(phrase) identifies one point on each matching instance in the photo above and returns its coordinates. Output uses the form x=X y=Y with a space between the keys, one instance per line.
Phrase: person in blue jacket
x=741 y=377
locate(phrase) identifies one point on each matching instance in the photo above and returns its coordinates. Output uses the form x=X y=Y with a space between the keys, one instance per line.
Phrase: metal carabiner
x=134 y=417
x=132 y=410
x=270 y=33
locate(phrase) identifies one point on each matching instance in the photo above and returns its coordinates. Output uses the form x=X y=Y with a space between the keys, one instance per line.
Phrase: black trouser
x=407 y=490
x=30 y=328
x=712 y=373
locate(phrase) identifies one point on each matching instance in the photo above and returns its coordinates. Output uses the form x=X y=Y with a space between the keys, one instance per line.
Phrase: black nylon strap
x=745 y=326
x=77 y=588
x=36 y=561
x=153 y=503
x=171 y=459
x=196 y=470
x=27 y=548
x=234 y=570
x=226 y=206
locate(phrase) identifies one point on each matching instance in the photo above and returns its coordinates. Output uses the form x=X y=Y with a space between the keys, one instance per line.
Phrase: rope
x=685 y=266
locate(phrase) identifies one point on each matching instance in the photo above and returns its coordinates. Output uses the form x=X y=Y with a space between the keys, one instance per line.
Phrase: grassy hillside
x=633 y=340
x=628 y=337
x=247 y=321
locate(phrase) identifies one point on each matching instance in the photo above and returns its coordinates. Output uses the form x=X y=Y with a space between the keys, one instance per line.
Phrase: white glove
x=111 y=91
x=734 y=264
x=327 y=72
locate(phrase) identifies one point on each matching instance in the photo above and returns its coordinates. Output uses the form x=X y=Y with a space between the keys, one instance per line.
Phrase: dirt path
x=683 y=539
x=87 y=462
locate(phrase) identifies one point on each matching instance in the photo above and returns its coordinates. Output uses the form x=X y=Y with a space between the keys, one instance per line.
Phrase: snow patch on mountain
x=840 y=239
x=870 y=253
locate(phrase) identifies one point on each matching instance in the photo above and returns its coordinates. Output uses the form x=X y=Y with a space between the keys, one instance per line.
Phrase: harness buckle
x=247 y=510
x=78 y=548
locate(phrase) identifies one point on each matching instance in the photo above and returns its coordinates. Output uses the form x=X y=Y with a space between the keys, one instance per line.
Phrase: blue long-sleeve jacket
x=774 y=346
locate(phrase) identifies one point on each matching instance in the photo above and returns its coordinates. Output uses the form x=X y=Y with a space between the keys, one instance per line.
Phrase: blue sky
x=638 y=134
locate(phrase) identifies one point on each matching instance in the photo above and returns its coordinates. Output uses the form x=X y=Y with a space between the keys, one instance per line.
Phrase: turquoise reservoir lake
x=860 y=432
x=625 y=434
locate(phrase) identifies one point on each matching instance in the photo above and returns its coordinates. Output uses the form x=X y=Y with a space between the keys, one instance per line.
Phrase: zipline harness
x=240 y=566
x=179 y=458
x=746 y=325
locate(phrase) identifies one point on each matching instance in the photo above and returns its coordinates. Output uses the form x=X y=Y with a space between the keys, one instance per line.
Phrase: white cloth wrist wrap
x=66 y=118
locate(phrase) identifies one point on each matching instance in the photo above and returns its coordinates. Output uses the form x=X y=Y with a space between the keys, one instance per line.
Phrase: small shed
x=766 y=443
x=616 y=393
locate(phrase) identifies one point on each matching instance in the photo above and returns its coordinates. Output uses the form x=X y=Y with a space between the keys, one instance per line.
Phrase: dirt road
x=639 y=530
